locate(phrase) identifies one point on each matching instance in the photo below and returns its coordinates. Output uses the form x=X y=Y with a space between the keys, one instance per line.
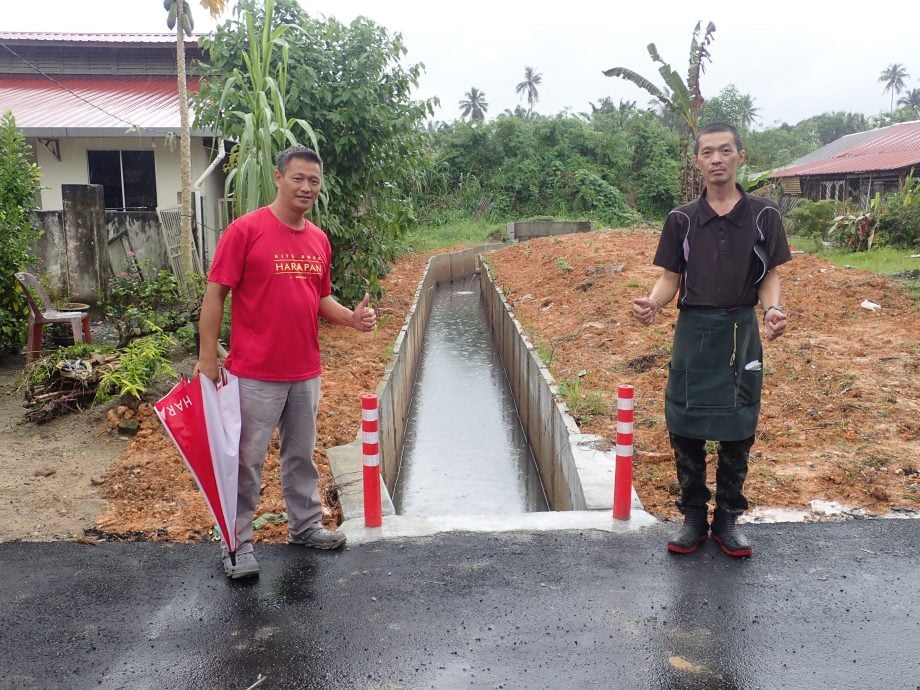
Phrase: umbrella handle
x=232 y=555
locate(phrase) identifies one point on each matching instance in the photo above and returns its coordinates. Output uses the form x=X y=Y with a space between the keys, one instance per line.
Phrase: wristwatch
x=773 y=306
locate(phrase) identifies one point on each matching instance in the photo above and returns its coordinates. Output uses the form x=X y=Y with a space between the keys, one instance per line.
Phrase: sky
x=796 y=58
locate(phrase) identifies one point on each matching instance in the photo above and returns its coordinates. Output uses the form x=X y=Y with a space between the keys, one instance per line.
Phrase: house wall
x=73 y=169
x=208 y=208
x=859 y=188
x=82 y=245
x=135 y=235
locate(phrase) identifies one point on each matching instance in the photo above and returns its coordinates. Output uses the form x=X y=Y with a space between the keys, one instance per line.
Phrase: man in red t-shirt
x=276 y=265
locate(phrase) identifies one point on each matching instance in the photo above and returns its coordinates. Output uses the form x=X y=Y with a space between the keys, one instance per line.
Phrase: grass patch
x=885 y=261
x=467 y=233
x=545 y=352
x=584 y=405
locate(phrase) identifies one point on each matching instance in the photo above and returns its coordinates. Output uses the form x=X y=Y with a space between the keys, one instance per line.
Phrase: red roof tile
x=889 y=148
x=93 y=106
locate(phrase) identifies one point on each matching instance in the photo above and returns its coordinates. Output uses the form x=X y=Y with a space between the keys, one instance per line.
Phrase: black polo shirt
x=714 y=254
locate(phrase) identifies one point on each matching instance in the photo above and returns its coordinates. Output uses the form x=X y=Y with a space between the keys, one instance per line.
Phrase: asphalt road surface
x=826 y=605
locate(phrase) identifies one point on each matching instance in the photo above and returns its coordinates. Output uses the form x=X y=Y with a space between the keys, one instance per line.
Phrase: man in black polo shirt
x=719 y=255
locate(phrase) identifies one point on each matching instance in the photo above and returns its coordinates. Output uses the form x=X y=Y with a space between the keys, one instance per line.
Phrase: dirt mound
x=839 y=418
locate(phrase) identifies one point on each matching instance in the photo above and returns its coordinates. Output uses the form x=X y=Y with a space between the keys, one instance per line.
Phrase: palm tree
x=474 y=105
x=528 y=87
x=911 y=100
x=179 y=17
x=893 y=78
x=684 y=100
x=749 y=113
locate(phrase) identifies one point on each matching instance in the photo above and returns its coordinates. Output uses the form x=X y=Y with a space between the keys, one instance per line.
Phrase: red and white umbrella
x=203 y=420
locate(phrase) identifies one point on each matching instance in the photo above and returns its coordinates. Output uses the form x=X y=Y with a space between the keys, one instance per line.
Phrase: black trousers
x=690 y=456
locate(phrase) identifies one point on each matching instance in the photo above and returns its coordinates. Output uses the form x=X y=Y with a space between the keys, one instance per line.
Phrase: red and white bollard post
x=622 y=483
x=373 y=513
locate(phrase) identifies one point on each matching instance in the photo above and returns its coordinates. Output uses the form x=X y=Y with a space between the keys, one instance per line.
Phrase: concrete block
x=595 y=470
x=530 y=229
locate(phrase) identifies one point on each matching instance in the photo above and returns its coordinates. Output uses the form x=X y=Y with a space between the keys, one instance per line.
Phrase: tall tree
x=730 y=106
x=352 y=85
x=911 y=100
x=831 y=126
x=179 y=17
x=683 y=99
x=474 y=105
x=893 y=78
x=528 y=87
x=749 y=112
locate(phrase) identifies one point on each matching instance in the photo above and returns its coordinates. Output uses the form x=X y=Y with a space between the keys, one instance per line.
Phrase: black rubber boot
x=728 y=536
x=694 y=532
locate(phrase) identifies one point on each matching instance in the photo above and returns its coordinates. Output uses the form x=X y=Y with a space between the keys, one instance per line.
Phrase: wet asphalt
x=823 y=605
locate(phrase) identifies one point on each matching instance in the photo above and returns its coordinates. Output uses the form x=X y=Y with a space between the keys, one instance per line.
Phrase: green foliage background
x=349 y=82
x=19 y=181
x=615 y=165
x=388 y=170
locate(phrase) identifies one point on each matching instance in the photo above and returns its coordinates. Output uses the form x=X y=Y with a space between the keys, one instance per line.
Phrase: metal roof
x=94 y=106
x=889 y=148
x=64 y=37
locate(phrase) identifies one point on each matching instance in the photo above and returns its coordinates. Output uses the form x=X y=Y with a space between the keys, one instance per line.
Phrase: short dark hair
x=303 y=152
x=718 y=128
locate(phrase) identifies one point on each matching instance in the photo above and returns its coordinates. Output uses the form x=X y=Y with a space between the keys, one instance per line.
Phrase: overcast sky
x=796 y=58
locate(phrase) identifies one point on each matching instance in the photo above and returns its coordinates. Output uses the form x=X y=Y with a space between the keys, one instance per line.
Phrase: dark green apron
x=715 y=376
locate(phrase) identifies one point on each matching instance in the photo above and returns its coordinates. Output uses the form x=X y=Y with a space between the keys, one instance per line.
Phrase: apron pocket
x=702 y=388
x=713 y=389
x=749 y=385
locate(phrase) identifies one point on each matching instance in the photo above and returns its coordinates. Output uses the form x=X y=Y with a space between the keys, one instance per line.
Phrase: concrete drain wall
x=525 y=230
x=576 y=476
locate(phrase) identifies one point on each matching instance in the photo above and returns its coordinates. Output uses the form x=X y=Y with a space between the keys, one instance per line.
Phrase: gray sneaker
x=318 y=538
x=246 y=566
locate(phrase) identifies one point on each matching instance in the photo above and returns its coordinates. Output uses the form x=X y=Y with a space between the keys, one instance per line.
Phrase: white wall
x=73 y=169
x=208 y=203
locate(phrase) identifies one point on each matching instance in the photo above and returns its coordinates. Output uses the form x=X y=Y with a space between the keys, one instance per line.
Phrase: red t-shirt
x=277 y=276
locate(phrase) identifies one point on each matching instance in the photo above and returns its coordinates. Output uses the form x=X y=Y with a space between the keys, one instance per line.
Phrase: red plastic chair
x=40 y=314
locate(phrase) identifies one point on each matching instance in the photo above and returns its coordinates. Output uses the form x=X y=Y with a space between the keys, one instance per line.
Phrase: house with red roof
x=103 y=109
x=855 y=166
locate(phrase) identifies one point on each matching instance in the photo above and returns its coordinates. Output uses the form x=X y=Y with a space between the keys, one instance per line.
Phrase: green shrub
x=602 y=200
x=137 y=305
x=19 y=181
x=899 y=216
x=140 y=364
x=811 y=218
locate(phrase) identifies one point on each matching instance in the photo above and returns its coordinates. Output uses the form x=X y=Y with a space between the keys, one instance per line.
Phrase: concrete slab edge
x=405 y=526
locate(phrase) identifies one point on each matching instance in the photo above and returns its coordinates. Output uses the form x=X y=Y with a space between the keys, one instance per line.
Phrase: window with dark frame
x=128 y=178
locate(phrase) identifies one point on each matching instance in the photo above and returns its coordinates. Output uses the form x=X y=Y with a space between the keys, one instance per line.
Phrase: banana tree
x=683 y=99
x=179 y=18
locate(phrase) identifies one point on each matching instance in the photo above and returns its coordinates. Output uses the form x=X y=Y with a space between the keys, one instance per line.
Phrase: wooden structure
x=855 y=166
